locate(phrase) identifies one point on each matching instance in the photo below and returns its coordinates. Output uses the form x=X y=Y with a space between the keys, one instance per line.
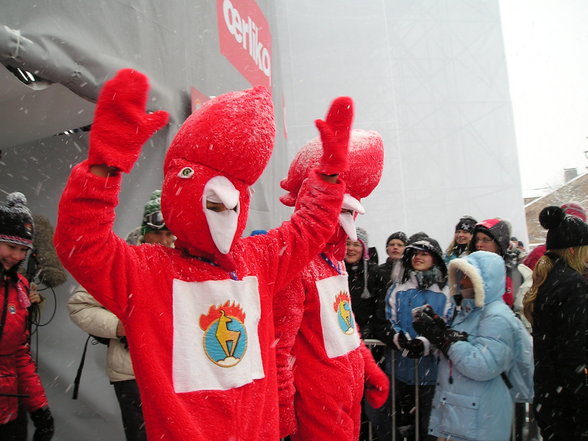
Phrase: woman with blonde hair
x=557 y=305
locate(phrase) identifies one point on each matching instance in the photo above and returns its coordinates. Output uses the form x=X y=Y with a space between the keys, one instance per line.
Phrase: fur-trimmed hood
x=486 y=271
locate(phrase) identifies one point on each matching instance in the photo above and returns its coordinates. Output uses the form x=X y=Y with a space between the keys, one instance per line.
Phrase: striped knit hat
x=16 y=221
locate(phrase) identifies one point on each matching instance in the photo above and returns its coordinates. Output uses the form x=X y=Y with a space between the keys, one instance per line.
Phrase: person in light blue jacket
x=472 y=401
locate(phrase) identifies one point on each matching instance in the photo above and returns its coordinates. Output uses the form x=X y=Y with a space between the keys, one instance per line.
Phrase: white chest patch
x=216 y=345
x=338 y=323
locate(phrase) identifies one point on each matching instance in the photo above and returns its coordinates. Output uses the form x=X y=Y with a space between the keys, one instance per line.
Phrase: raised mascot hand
x=335 y=132
x=121 y=125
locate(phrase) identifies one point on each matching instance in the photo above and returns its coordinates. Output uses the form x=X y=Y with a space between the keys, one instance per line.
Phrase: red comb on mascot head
x=219 y=151
x=366 y=154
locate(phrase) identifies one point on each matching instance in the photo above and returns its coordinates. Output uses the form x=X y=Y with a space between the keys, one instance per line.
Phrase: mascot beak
x=350 y=207
x=222 y=223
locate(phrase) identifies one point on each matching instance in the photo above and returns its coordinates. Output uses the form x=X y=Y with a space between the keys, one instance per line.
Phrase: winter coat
x=86 y=312
x=319 y=356
x=560 y=345
x=401 y=299
x=363 y=299
x=385 y=275
x=202 y=343
x=18 y=373
x=471 y=399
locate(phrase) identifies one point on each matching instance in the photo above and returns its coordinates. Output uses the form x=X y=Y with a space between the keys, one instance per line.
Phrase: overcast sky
x=546 y=43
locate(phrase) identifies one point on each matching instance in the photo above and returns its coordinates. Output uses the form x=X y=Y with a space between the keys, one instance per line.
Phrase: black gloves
x=428 y=324
x=43 y=421
x=411 y=348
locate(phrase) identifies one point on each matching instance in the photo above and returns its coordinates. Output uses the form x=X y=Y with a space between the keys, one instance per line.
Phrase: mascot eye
x=186 y=173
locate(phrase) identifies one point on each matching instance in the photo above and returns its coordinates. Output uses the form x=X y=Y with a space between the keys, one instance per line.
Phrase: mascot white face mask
x=222 y=221
x=351 y=207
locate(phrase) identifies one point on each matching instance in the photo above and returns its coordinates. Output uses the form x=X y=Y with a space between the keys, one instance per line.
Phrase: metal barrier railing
x=523 y=428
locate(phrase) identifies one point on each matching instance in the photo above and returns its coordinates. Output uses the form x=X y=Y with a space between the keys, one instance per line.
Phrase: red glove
x=335 y=133
x=121 y=126
x=377 y=384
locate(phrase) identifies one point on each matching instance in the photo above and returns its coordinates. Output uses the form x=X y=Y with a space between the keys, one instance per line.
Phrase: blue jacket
x=402 y=298
x=471 y=399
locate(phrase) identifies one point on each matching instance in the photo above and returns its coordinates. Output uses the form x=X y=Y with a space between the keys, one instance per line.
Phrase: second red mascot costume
x=198 y=317
x=322 y=362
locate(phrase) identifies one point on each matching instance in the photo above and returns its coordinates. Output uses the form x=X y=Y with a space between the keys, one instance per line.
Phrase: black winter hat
x=16 y=222
x=398 y=235
x=466 y=223
x=416 y=236
x=497 y=229
x=564 y=231
x=425 y=244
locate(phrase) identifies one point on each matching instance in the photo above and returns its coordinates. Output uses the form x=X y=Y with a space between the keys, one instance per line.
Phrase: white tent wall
x=429 y=75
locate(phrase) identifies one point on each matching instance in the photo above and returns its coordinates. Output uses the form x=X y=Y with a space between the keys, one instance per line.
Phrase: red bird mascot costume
x=198 y=318
x=322 y=363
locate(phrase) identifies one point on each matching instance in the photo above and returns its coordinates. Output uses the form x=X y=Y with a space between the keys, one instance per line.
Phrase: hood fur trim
x=461 y=264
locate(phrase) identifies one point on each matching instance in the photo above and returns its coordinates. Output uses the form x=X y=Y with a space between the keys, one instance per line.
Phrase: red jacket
x=18 y=374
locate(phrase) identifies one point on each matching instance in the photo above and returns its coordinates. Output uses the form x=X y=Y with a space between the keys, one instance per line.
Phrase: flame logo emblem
x=342 y=307
x=225 y=336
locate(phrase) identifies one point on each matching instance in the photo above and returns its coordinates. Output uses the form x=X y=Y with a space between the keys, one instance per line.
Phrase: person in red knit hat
x=493 y=235
x=322 y=362
x=198 y=318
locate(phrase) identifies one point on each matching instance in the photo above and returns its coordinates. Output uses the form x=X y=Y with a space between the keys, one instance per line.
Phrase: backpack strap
x=506 y=380
x=79 y=373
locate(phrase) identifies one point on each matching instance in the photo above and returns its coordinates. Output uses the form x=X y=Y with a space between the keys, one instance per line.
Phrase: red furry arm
x=288 y=313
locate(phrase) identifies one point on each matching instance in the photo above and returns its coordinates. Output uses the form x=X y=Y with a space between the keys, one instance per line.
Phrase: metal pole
x=513 y=427
x=416 y=400
x=393 y=383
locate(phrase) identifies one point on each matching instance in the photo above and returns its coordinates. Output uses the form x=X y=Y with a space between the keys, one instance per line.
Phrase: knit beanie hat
x=152 y=217
x=466 y=223
x=362 y=236
x=497 y=229
x=16 y=221
x=573 y=209
x=564 y=231
x=398 y=235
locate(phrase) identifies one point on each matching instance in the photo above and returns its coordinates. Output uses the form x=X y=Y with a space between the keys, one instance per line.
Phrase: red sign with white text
x=245 y=39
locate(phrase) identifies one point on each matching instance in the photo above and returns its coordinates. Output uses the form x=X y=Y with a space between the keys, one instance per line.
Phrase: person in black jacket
x=361 y=269
x=361 y=266
x=557 y=307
